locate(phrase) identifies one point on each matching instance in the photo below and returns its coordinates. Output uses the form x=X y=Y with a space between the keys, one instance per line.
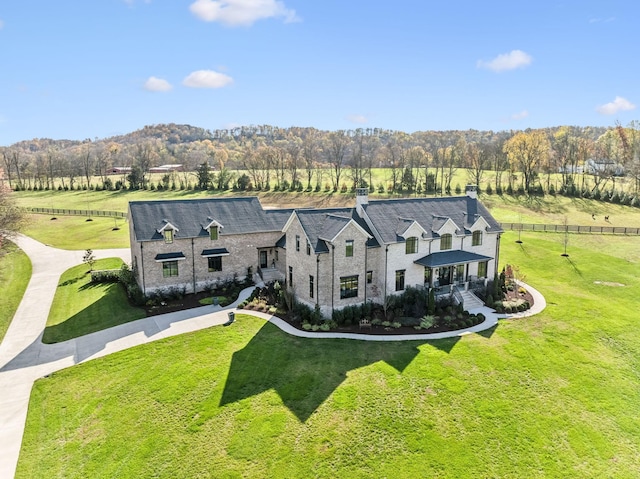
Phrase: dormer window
x=411 y=245
x=168 y=236
x=476 y=239
x=213 y=227
x=446 y=241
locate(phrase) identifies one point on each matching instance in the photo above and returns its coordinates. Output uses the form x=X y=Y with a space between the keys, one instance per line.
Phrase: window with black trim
x=169 y=269
x=297 y=242
x=348 y=287
x=411 y=245
x=215 y=263
x=349 y=248
x=290 y=275
x=482 y=269
x=369 y=277
x=311 y=286
x=400 y=279
x=446 y=241
x=308 y=248
x=476 y=239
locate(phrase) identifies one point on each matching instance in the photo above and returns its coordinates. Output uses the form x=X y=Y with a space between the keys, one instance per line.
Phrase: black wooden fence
x=603 y=230
x=89 y=213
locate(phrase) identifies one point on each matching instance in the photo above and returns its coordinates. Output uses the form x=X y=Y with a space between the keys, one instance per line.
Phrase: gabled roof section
x=213 y=224
x=239 y=215
x=444 y=225
x=479 y=224
x=322 y=226
x=166 y=225
x=430 y=213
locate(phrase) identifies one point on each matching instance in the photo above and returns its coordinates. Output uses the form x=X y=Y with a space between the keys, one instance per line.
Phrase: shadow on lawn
x=305 y=372
x=110 y=310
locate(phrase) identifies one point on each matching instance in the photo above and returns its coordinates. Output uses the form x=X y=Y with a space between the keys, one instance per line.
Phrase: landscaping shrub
x=105 y=276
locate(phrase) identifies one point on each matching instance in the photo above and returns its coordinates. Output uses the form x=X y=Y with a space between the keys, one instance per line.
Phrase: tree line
x=266 y=158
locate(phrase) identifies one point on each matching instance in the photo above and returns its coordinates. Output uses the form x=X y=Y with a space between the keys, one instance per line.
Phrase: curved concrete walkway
x=24 y=358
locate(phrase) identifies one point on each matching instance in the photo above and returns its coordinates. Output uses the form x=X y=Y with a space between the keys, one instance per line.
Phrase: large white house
x=331 y=257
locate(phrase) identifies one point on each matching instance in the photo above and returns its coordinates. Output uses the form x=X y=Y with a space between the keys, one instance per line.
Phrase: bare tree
x=86 y=161
x=336 y=150
x=310 y=154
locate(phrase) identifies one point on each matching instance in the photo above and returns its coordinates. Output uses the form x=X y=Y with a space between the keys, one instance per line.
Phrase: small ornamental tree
x=89 y=259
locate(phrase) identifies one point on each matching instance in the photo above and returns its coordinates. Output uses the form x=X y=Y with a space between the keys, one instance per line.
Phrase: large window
x=311 y=286
x=348 y=287
x=168 y=236
x=446 y=241
x=482 y=269
x=169 y=268
x=411 y=245
x=349 y=248
x=476 y=239
x=215 y=263
x=400 y=280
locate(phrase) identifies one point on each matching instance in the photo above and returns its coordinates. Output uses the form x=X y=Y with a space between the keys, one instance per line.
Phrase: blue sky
x=76 y=69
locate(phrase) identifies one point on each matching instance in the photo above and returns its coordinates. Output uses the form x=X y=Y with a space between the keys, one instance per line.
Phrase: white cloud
x=520 y=115
x=157 y=84
x=359 y=119
x=207 y=79
x=507 y=61
x=241 y=12
x=619 y=104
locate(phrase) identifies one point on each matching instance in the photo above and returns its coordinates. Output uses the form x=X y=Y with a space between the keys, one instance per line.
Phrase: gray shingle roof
x=430 y=213
x=237 y=215
x=321 y=225
x=446 y=258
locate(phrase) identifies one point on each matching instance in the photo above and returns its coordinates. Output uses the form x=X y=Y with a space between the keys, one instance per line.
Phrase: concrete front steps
x=471 y=301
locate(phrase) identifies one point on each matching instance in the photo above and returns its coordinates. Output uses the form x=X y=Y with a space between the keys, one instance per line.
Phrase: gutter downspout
x=317 y=279
x=333 y=276
x=193 y=266
x=365 y=272
x=386 y=272
x=144 y=288
x=495 y=265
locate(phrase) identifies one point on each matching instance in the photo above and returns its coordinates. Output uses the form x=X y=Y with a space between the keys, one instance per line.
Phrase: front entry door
x=263 y=259
x=444 y=276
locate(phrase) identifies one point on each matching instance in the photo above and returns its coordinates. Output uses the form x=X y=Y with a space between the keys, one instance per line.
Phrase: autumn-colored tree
x=527 y=152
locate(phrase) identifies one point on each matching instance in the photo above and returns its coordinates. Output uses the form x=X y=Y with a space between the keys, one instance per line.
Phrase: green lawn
x=75 y=232
x=555 y=395
x=15 y=272
x=81 y=307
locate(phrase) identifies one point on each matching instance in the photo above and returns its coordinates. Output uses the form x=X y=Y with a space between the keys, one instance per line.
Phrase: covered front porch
x=445 y=270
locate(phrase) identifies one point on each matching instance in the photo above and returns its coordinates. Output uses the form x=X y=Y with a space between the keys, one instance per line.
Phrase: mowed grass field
x=15 y=272
x=554 y=395
x=81 y=307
